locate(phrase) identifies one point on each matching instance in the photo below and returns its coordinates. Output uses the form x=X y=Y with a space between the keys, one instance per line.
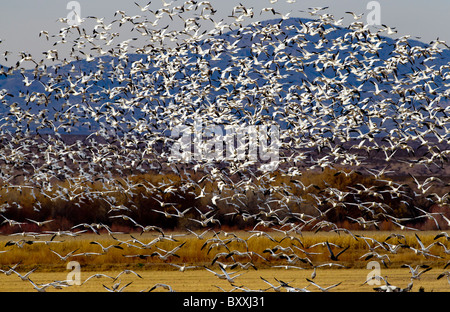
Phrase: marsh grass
x=39 y=254
x=69 y=203
x=199 y=280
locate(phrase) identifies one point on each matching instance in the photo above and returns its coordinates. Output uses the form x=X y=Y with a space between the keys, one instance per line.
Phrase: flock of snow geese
x=80 y=130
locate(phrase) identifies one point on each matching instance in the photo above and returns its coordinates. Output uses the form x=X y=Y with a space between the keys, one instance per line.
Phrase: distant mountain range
x=276 y=47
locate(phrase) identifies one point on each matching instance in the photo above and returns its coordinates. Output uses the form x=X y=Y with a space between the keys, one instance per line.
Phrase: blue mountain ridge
x=311 y=71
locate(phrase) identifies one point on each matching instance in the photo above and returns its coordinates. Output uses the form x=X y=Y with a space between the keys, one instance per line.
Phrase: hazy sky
x=21 y=20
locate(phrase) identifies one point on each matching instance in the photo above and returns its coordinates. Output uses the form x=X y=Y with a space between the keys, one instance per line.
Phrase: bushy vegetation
x=193 y=253
x=238 y=201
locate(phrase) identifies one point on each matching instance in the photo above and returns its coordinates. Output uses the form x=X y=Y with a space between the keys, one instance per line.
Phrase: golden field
x=154 y=270
x=40 y=253
x=199 y=280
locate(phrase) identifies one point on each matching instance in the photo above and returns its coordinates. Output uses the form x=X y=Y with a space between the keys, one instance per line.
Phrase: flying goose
x=127 y=271
x=324 y=289
x=67 y=256
x=415 y=274
x=40 y=288
x=26 y=276
x=98 y=275
x=183 y=267
x=160 y=285
x=116 y=287
x=332 y=255
x=225 y=275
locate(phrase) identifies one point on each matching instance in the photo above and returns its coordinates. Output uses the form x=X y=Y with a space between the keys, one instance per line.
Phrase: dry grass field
x=154 y=270
x=199 y=280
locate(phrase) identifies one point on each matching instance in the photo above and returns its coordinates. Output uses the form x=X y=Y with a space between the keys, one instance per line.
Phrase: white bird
x=199 y=236
x=67 y=256
x=40 y=223
x=40 y=288
x=324 y=289
x=12 y=222
x=287 y=267
x=98 y=275
x=207 y=221
x=24 y=277
x=225 y=275
x=160 y=285
x=415 y=274
x=127 y=271
x=275 y=288
x=116 y=287
x=183 y=267
x=106 y=249
x=355 y=16
x=144 y=8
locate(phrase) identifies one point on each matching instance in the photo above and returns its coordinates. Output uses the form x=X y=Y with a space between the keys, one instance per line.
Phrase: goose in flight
x=206 y=222
x=67 y=256
x=430 y=216
x=127 y=271
x=106 y=249
x=98 y=275
x=442 y=234
x=116 y=287
x=447 y=220
x=20 y=243
x=40 y=223
x=388 y=287
x=290 y=288
x=355 y=16
x=225 y=275
x=389 y=30
x=244 y=266
x=329 y=264
x=160 y=285
x=12 y=222
x=168 y=253
x=373 y=254
x=183 y=267
x=40 y=288
x=87 y=226
x=275 y=288
x=148 y=228
x=144 y=8
x=163 y=204
x=332 y=255
x=446 y=250
x=11 y=269
x=248 y=254
x=198 y=236
x=25 y=276
x=415 y=274
x=261 y=234
x=127 y=218
x=423 y=250
x=392 y=288
x=324 y=289
x=287 y=267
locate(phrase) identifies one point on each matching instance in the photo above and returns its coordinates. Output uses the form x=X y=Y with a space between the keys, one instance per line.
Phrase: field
x=201 y=281
x=154 y=270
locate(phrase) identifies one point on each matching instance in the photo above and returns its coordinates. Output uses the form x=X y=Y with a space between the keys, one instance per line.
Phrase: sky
x=22 y=20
